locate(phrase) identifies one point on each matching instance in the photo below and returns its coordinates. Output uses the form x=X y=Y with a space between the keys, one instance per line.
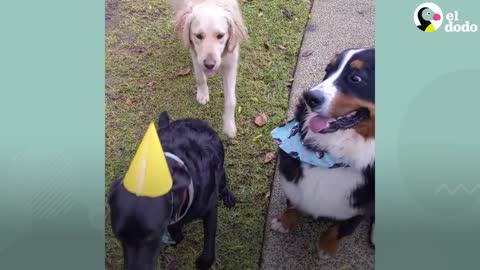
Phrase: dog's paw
x=203 y=96
x=228 y=199
x=323 y=254
x=204 y=262
x=277 y=226
x=176 y=236
x=329 y=242
x=230 y=129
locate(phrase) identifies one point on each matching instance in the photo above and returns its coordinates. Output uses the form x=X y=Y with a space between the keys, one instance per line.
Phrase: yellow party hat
x=148 y=174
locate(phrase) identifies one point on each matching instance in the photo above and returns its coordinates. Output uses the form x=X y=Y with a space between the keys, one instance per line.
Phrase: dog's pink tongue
x=317 y=123
x=209 y=72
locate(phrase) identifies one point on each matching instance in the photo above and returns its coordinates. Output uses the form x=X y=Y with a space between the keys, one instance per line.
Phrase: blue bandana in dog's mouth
x=288 y=138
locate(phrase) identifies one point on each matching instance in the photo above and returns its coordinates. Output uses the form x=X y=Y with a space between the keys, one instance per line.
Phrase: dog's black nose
x=209 y=64
x=314 y=99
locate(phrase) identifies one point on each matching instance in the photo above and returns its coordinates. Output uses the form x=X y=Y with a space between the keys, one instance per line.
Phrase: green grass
x=143 y=57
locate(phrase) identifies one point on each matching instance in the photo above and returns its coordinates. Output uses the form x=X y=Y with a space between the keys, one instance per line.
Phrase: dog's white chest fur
x=324 y=192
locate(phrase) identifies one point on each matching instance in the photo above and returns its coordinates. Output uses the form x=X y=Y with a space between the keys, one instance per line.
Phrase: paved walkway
x=335 y=25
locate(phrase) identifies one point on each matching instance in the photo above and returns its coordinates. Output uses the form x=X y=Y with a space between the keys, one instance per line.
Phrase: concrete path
x=335 y=25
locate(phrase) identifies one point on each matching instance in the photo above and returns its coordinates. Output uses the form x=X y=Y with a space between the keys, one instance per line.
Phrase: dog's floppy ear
x=237 y=31
x=182 y=23
x=163 y=120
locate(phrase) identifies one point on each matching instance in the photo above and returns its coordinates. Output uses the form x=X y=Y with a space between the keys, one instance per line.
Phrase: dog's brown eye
x=356 y=78
x=199 y=36
x=220 y=36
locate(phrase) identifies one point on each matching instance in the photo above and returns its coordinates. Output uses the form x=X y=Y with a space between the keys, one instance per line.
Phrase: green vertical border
x=428 y=189
x=52 y=134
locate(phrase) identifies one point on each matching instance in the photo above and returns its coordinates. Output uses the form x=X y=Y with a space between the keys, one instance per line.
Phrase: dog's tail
x=163 y=120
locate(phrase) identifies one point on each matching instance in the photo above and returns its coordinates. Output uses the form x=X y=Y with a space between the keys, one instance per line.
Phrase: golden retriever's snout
x=209 y=63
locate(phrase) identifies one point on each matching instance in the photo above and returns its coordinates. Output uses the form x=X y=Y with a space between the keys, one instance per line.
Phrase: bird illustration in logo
x=426 y=16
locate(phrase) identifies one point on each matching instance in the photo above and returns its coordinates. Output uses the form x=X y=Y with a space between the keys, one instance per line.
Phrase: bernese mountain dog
x=335 y=117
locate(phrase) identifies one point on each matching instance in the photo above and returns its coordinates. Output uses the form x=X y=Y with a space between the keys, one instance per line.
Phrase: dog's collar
x=288 y=138
x=178 y=215
x=189 y=193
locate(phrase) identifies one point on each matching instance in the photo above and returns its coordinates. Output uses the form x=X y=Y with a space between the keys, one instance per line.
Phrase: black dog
x=141 y=222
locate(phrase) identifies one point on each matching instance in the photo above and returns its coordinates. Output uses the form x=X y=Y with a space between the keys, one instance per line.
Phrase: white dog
x=212 y=31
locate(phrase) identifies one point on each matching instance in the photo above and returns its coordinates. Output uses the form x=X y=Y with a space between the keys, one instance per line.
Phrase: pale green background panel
x=428 y=147
x=52 y=134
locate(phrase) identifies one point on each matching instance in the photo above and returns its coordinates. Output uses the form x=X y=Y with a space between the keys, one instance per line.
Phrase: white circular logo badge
x=428 y=17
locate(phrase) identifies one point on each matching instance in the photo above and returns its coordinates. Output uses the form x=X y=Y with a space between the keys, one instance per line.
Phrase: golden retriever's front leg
x=203 y=95
x=229 y=81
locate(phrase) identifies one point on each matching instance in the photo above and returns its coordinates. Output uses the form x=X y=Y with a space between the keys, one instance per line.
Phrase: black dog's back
x=200 y=147
x=192 y=137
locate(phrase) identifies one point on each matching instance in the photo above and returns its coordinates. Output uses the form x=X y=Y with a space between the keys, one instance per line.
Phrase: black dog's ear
x=114 y=186
x=163 y=120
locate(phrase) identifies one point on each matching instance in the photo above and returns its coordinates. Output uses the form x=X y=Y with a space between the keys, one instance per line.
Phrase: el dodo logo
x=428 y=17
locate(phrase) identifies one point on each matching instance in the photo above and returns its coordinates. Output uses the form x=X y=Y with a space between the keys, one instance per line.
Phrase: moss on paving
x=143 y=57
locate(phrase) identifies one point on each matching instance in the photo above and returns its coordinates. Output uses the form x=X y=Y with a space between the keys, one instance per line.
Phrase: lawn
x=143 y=59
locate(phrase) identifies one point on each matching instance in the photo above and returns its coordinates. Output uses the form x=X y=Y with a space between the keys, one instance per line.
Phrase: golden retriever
x=212 y=31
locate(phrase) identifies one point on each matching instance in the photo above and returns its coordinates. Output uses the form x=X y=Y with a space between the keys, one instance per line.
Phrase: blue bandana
x=288 y=138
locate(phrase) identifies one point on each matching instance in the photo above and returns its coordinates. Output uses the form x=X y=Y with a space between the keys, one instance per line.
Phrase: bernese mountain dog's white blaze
x=337 y=116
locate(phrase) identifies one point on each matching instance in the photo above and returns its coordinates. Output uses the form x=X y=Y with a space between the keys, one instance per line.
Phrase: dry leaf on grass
x=150 y=83
x=269 y=157
x=287 y=13
x=129 y=101
x=267 y=45
x=261 y=119
x=184 y=72
x=256 y=138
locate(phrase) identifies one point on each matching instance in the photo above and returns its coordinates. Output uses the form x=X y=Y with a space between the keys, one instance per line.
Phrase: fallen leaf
x=291 y=80
x=267 y=45
x=309 y=15
x=260 y=14
x=288 y=14
x=254 y=99
x=261 y=119
x=184 y=72
x=307 y=53
x=110 y=95
x=269 y=157
x=150 y=83
x=239 y=109
x=282 y=47
x=129 y=101
x=257 y=137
